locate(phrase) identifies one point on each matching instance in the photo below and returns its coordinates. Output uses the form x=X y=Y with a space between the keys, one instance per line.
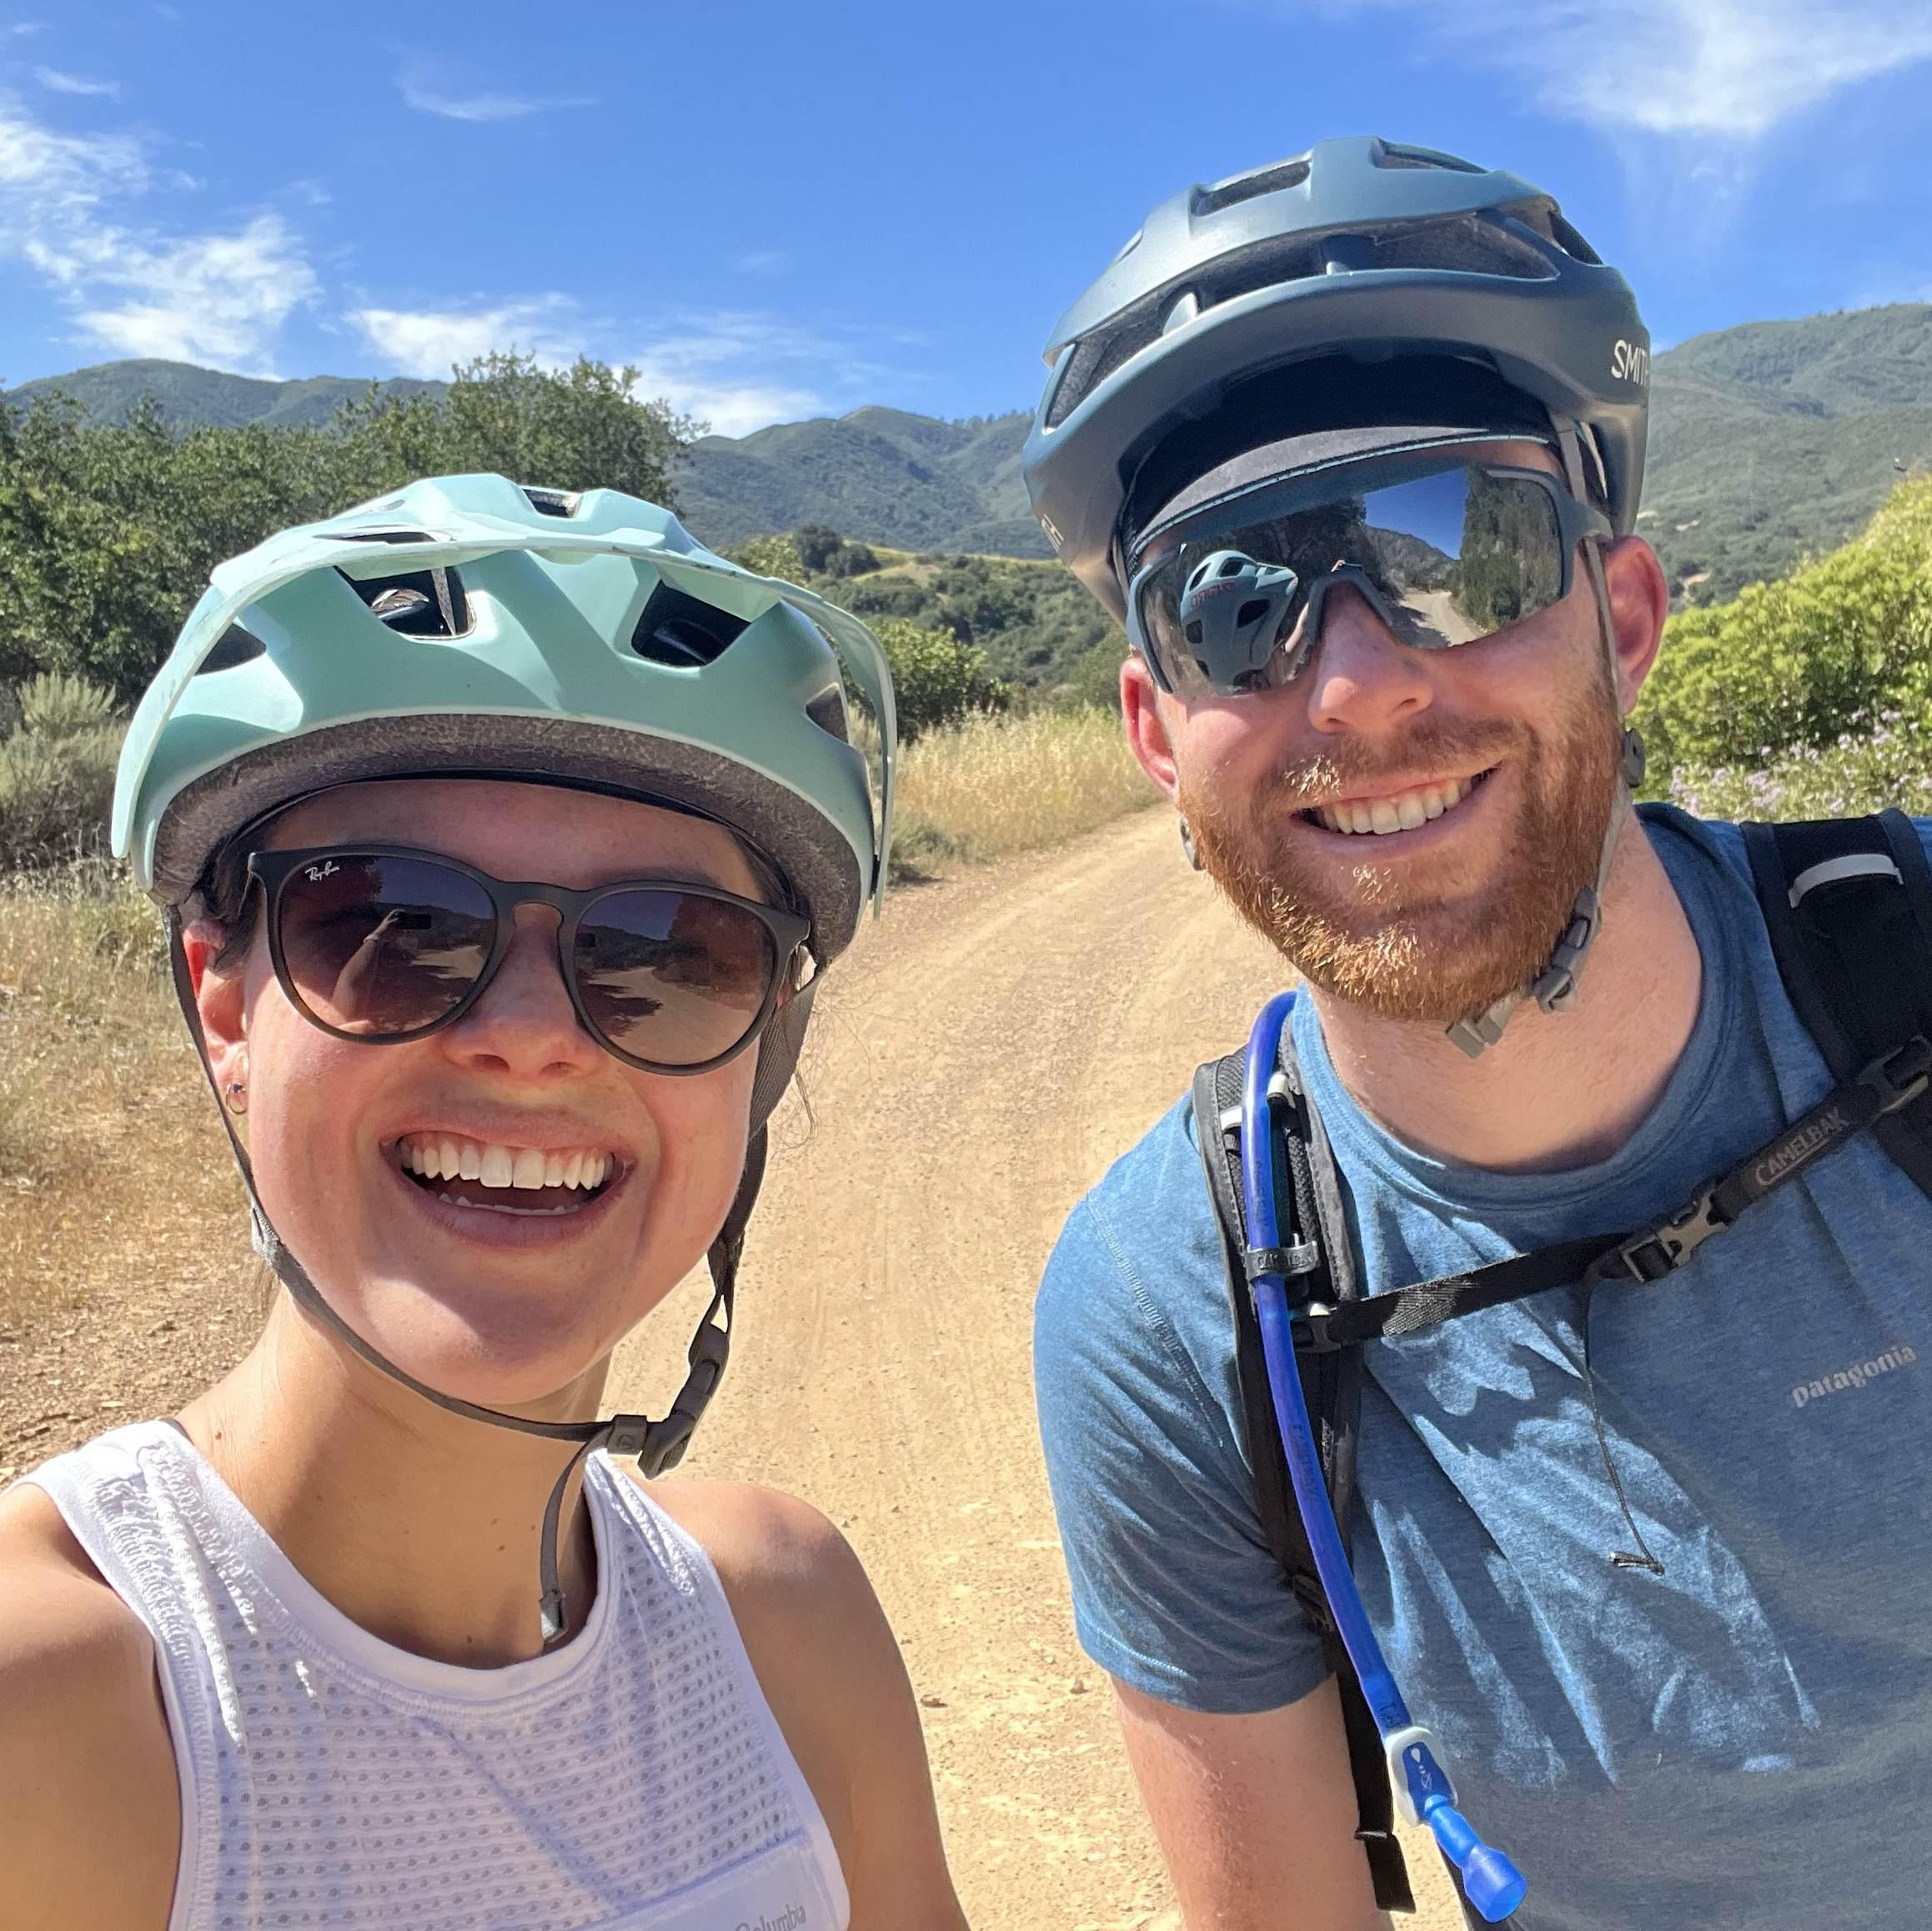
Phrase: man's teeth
x=442 y=1157
x=1403 y=812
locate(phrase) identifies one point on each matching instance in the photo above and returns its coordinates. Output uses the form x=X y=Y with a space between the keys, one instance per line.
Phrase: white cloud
x=57 y=82
x=24 y=28
x=430 y=341
x=483 y=105
x=736 y=370
x=763 y=261
x=1732 y=70
x=68 y=204
x=214 y=299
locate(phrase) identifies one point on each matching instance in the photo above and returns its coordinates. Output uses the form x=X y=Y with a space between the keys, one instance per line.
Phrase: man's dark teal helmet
x=1361 y=284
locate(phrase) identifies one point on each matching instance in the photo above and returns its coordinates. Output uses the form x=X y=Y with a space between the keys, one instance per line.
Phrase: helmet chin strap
x=1554 y=989
x=657 y=1445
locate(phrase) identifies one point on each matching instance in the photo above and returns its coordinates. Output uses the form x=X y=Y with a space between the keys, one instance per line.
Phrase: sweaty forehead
x=515 y=830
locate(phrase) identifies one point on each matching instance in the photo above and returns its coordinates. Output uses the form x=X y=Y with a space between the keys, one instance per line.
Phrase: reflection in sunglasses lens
x=673 y=977
x=383 y=945
x=1450 y=557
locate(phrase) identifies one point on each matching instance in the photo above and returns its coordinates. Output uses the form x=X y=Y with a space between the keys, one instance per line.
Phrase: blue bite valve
x=1493 y=1886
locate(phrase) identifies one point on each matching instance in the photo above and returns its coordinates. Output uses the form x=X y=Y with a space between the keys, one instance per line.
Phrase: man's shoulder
x=1149 y=1196
x=1723 y=840
x=1142 y=1246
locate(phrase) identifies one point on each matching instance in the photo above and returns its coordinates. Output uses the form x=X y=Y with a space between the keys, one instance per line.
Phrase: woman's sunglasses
x=1445 y=551
x=382 y=943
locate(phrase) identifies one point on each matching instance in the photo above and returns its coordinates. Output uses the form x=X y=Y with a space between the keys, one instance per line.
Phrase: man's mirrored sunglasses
x=1444 y=548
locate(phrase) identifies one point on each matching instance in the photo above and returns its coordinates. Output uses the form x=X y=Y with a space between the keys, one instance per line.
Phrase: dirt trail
x=976 y=1062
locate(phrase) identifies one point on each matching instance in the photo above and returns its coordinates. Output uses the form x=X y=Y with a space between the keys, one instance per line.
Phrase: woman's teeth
x=1403 y=812
x=488 y=1167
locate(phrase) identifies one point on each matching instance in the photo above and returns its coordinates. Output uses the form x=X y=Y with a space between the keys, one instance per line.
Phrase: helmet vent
x=684 y=631
x=1096 y=356
x=1567 y=238
x=235 y=648
x=1388 y=155
x=1469 y=244
x=827 y=710
x=429 y=604
x=1241 y=188
x=377 y=535
x=553 y=502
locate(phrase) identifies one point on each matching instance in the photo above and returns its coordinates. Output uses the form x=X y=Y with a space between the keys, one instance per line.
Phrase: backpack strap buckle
x=1900 y=1076
x=1666 y=1244
x=1309 y=1324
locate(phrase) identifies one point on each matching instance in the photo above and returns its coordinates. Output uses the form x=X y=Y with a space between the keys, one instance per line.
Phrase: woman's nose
x=525 y=1022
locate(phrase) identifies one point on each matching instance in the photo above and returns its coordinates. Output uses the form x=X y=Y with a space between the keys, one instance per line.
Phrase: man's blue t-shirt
x=1743 y=1741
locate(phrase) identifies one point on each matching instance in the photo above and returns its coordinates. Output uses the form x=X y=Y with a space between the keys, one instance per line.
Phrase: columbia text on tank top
x=632 y=1780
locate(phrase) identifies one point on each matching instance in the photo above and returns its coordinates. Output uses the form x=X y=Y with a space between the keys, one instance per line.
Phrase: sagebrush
x=1834 y=648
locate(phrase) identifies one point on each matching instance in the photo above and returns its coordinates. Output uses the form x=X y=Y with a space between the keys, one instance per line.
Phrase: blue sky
x=778 y=209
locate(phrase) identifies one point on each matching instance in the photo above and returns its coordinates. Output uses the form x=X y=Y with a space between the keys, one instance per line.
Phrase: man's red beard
x=1393 y=937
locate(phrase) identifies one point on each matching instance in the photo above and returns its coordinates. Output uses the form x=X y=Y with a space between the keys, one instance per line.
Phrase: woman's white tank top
x=634 y=1779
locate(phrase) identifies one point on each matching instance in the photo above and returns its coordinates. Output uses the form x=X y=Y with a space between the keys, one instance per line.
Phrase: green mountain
x=1777 y=440
x=193 y=397
x=1768 y=441
x=883 y=475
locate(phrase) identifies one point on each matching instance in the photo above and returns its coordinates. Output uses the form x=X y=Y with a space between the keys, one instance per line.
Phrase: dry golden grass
x=107 y=1141
x=995 y=786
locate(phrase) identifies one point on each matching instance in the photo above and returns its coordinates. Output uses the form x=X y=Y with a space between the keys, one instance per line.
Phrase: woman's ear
x=221 y=1000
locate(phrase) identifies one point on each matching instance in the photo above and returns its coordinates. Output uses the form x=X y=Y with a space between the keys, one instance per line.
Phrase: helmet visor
x=1446 y=549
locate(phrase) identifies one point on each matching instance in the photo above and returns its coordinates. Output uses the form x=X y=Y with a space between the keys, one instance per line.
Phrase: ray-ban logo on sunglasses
x=317 y=873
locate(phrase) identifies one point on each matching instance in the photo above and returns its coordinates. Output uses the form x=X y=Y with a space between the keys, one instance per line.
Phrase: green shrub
x=936 y=680
x=772 y=556
x=826 y=554
x=1862 y=773
x=1094 y=682
x=56 y=770
x=1800 y=662
x=55 y=793
x=56 y=705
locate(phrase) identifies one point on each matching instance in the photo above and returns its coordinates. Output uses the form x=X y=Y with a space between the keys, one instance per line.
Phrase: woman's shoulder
x=817 y=1640
x=825 y=1659
x=65 y=1636
x=784 y=1565
x=87 y=1771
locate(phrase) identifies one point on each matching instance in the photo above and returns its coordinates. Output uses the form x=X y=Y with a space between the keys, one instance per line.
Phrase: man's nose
x=1363 y=678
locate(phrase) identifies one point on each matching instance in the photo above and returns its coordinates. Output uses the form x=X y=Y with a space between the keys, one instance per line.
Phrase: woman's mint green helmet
x=466 y=624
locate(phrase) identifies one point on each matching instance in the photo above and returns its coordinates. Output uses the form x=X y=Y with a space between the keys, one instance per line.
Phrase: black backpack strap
x=1849 y=906
x=1331 y=1386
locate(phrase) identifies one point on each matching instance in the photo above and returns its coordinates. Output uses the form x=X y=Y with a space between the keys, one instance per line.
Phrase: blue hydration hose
x=1493 y=1885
